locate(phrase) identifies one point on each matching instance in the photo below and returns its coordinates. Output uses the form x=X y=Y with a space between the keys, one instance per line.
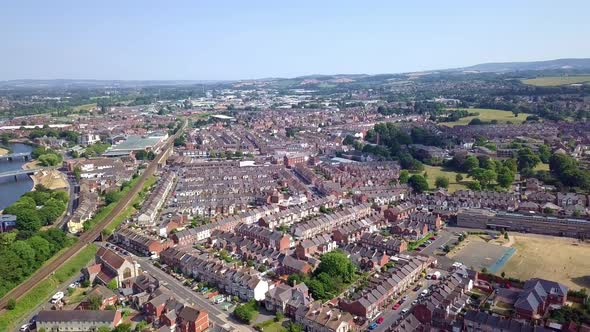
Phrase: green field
x=486 y=114
x=130 y=210
x=84 y=107
x=557 y=80
x=436 y=171
x=542 y=167
x=43 y=290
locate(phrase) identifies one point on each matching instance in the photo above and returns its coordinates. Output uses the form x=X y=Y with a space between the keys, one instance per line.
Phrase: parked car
x=372 y=326
x=432 y=238
x=57 y=297
x=404 y=298
x=396 y=306
x=414 y=302
x=380 y=320
x=405 y=311
x=417 y=288
x=25 y=328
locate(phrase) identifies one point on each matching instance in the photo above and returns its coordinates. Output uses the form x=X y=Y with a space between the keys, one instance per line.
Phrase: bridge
x=12 y=156
x=18 y=172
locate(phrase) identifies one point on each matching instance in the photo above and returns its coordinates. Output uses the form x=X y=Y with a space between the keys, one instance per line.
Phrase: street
x=216 y=315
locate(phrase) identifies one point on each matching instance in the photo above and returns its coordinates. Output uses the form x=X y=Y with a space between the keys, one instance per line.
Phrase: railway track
x=91 y=235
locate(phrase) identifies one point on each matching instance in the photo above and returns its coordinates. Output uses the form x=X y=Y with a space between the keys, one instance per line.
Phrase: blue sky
x=129 y=39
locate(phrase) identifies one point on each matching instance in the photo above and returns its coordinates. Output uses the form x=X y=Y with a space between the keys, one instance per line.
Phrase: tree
x=279 y=316
x=294 y=327
x=27 y=220
x=348 y=140
x=337 y=264
x=503 y=274
x=470 y=163
x=404 y=176
x=94 y=302
x=458 y=177
x=142 y=325
x=505 y=177
x=11 y=304
x=441 y=182
x=544 y=153
x=123 y=327
x=112 y=285
x=246 y=312
x=418 y=183
x=527 y=159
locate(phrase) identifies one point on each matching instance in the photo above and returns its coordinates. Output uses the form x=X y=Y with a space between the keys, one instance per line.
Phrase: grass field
x=561 y=259
x=130 y=210
x=557 y=80
x=84 y=107
x=43 y=290
x=436 y=171
x=486 y=114
x=542 y=167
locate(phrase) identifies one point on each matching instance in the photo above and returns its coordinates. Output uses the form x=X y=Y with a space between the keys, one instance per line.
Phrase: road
x=216 y=315
x=89 y=236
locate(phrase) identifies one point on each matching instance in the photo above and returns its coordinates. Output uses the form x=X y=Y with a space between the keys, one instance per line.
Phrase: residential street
x=216 y=314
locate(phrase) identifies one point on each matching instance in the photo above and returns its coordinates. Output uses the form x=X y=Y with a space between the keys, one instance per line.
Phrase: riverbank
x=3 y=151
x=50 y=179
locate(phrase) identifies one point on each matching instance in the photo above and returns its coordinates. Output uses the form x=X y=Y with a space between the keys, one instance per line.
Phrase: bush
x=11 y=304
x=246 y=312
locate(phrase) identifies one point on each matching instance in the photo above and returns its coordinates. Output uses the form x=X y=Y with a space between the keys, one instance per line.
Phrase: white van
x=57 y=297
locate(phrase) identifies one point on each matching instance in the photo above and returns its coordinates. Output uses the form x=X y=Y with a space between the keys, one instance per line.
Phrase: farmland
x=557 y=80
x=486 y=114
x=561 y=259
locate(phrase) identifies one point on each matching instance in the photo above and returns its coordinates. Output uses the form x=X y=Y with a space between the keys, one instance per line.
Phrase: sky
x=247 y=39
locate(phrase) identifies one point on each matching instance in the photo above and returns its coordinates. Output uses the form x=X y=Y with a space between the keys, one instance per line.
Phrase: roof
x=106 y=316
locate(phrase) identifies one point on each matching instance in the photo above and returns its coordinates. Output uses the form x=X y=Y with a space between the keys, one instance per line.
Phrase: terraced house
x=385 y=286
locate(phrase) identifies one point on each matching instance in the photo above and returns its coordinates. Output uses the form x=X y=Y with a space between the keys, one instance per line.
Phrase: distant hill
x=499 y=67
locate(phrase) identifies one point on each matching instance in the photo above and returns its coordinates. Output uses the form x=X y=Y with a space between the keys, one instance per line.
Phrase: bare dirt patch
x=565 y=260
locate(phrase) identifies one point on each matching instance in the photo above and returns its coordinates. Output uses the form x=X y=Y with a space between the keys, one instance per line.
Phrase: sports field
x=436 y=171
x=486 y=114
x=557 y=80
x=565 y=260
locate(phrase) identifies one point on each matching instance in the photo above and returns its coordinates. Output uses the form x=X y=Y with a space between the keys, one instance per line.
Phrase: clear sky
x=217 y=39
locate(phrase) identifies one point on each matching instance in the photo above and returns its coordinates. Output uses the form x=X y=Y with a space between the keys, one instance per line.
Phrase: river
x=11 y=190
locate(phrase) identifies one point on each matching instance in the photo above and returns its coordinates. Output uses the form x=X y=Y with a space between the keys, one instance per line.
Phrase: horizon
x=227 y=41
x=284 y=77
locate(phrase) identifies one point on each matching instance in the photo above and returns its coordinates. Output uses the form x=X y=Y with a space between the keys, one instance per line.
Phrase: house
x=323 y=318
x=318 y=245
x=77 y=320
x=290 y=265
x=384 y=286
x=107 y=297
x=433 y=221
x=286 y=299
x=537 y=296
x=475 y=321
x=399 y=212
x=7 y=222
x=190 y=319
x=108 y=266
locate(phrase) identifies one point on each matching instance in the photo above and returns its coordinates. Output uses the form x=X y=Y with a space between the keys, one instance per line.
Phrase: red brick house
x=192 y=320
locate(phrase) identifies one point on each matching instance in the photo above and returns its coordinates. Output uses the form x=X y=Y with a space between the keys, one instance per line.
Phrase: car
x=380 y=320
x=405 y=311
x=72 y=285
x=372 y=326
x=396 y=306
x=417 y=288
x=25 y=327
x=404 y=298
x=432 y=238
x=424 y=292
x=414 y=302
